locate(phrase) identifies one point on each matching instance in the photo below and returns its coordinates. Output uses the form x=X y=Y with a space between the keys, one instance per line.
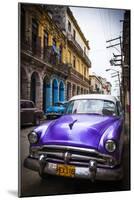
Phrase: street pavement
x=33 y=185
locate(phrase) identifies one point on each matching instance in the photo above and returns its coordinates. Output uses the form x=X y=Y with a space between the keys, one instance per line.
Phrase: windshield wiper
x=93 y=113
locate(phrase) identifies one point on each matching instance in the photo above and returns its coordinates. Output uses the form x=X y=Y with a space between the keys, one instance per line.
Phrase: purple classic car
x=86 y=142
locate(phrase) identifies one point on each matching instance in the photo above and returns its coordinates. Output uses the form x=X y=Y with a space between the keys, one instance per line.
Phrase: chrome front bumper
x=80 y=172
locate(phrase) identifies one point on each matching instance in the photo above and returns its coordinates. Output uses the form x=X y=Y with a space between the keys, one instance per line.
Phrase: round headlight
x=110 y=146
x=33 y=137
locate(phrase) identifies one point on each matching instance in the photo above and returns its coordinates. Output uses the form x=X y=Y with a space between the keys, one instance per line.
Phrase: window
x=27 y=104
x=45 y=39
x=85 y=50
x=74 y=34
x=119 y=108
x=69 y=56
x=92 y=106
x=74 y=62
x=69 y=26
x=84 y=71
x=34 y=34
x=60 y=53
x=78 y=65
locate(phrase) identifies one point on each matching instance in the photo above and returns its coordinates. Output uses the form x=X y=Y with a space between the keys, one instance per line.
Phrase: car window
x=22 y=104
x=27 y=104
x=89 y=106
x=119 y=108
x=58 y=104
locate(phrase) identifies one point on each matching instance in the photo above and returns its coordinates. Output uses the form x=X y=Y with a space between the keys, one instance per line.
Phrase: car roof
x=95 y=96
x=25 y=100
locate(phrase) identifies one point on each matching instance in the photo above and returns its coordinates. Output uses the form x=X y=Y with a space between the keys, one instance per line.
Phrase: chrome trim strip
x=67 y=148
x=86 y=158
x=72 y=156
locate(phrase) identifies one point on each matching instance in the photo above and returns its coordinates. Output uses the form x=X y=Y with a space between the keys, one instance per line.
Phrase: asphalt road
x=33 y=185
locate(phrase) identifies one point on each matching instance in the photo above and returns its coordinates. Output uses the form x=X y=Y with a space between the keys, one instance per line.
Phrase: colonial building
x=95 y=84
x=77 y=49
x=54 y=66
x=106 y=86
x=43 y=66
x=98 y=84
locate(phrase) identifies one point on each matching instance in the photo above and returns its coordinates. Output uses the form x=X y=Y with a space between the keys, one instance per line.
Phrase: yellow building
x=77 y=49
x=54 y=55
x=43 y=66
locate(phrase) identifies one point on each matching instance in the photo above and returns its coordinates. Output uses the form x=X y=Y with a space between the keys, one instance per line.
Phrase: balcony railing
x=86 y=79
x=79 y=49
x=52 y=57
x=47 y=55
x=83 y=78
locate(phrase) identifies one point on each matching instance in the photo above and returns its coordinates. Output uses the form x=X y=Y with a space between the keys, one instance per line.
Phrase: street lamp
x=118 y=74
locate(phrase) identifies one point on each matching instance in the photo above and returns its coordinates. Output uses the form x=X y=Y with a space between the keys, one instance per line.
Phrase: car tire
x=48 y=117
x=43 y=175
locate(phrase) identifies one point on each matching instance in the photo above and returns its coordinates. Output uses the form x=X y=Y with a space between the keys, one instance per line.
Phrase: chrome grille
x=71 y=155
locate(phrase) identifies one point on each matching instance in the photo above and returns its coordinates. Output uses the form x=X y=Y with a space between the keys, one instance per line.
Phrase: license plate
x=65 y=170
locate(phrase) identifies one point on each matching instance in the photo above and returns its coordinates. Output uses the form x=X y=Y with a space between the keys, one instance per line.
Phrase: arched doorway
x=61 y=91
x=23 y=84
x=54 y=91
x=68 y=90
x=81 y=90
x=46 y=93
x=73 y=90
x=78 y=90
x=35 y=84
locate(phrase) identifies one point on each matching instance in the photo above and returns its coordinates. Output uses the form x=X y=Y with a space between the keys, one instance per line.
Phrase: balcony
x=79 y=49
x=47 y=55
x=79 y=75
x=73 y=71
x=52 y=57
x=86 y=79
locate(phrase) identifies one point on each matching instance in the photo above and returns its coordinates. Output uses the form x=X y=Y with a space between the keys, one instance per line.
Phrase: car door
x=22 y=112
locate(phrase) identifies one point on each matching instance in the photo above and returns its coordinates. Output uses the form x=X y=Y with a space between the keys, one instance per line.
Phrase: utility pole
x=116 y=74
x=117 y=58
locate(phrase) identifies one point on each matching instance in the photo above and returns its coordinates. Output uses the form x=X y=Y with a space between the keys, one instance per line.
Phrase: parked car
x=57 y=110
x=29 y=113
x=86 y=142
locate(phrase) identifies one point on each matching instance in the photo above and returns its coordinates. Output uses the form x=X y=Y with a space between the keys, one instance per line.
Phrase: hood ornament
x=71 y=124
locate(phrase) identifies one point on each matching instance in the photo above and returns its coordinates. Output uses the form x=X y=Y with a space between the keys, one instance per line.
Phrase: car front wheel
x=43 y=175
x=48 y=117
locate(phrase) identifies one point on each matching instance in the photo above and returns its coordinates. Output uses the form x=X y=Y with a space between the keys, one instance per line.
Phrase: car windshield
x=91 y=106
x=58 y=104
x=27 y=104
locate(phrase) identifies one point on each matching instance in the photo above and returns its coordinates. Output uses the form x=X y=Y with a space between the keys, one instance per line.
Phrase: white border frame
x=9 y=97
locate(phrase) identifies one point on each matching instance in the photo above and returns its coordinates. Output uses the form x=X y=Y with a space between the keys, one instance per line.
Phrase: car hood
x=77 y=130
